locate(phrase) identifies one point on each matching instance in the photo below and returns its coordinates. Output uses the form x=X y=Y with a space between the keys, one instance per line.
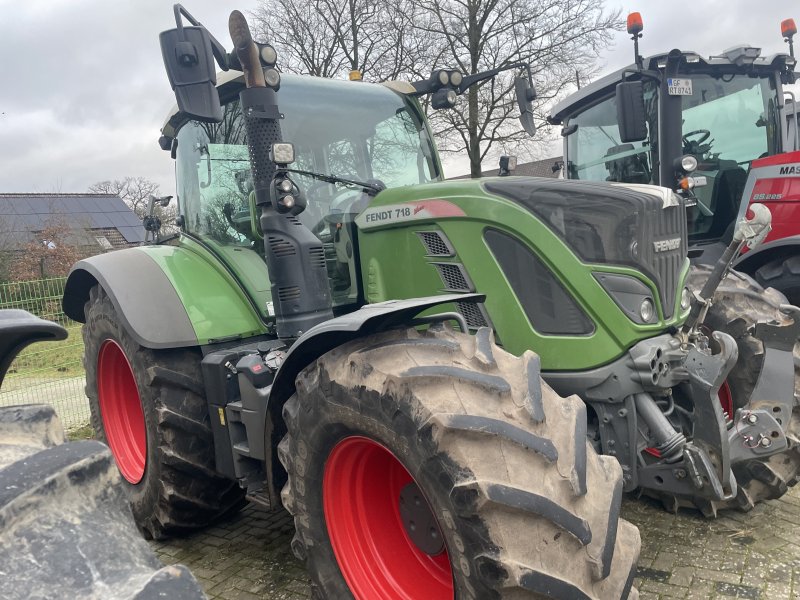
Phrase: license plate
x=679 y=87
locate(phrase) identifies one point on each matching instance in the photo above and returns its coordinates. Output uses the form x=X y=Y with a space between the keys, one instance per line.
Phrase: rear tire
x=739 y=303
x=524 y=505
x=165 y=450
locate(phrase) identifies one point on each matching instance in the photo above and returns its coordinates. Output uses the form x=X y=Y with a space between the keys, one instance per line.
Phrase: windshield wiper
x=371 y=189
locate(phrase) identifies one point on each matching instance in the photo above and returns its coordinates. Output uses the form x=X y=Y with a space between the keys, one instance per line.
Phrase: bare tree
x=561 y=40
x=134 y=191
x=328 y=38
x=558 y=38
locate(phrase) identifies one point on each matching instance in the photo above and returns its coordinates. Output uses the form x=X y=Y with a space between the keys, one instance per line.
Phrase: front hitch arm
x=704 y=468
x=748 y=232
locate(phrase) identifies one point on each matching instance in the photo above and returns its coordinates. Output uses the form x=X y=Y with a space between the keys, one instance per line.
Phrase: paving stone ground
x=753 y=555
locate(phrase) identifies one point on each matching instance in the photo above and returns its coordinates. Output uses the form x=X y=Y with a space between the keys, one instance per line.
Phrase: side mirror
x=630 y=112
x=525 y=96
x=189 y=61
x=507 y=165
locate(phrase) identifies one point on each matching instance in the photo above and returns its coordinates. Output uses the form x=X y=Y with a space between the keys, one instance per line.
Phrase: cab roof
x=730 y=59
x=230 y=82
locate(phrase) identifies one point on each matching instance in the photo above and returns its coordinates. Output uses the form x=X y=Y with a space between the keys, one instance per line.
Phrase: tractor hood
x=639 y=226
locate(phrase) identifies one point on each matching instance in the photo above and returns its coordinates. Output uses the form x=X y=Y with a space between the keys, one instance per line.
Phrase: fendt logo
x=790 y=170
x=667 y=245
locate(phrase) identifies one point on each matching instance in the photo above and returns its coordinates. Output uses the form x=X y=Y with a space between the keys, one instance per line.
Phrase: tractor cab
x=683 y=121
x=344 y=130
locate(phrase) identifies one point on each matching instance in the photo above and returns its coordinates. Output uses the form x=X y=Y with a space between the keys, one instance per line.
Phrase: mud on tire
x=179 y=490
x=739 y=303
x=526 y=507
x=66 y=530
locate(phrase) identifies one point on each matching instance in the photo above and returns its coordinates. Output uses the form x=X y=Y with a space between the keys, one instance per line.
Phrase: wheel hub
x=418 y=520
x=380 y=526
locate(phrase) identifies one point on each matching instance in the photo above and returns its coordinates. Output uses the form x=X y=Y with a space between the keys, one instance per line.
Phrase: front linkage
x=671 y=384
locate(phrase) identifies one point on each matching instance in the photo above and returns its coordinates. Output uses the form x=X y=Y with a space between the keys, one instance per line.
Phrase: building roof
x=536 y=168
x=23 y=214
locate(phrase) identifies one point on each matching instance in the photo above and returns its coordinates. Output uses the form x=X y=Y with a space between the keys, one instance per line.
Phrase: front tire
x=509 y=496
x=149 y=407
x=783 y=275
x=739 y=303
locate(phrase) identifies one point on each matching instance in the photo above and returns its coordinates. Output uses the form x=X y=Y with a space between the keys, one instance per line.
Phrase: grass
x=81 y=433
x=51 y=359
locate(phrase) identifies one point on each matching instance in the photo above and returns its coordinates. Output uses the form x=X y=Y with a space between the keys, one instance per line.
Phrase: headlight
x=283 y=153
x=272 y=78
x=451 y=97
x=268 y=55
x=285 y=185
x=686 y=299
x=444 y=77
x=688 y=163
x=647 y=310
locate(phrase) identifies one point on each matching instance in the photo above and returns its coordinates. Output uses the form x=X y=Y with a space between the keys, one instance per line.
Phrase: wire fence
x=47 y=372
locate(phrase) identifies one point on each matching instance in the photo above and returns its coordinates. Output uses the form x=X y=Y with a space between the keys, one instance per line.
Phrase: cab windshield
x=728 y=121
x=347 y=129
x=352 y=130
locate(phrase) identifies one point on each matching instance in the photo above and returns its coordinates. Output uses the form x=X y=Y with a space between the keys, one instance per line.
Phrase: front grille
x=454 y=277
x=436 y=243
x=657 y=227
x=474 y=314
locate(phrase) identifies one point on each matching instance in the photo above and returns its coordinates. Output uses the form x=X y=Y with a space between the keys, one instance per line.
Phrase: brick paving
x=753 y=555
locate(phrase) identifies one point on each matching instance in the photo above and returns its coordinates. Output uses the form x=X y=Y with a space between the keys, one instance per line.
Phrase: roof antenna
x=635 y=27
x=788 y=29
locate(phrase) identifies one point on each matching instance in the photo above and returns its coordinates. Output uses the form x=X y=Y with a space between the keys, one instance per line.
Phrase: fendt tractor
x=722 y=128
x=337 y=329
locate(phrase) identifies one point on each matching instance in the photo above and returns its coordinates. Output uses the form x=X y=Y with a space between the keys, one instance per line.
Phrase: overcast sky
x=84 y=93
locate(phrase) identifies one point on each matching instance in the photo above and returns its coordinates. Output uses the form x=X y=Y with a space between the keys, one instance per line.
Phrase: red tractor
x=721 y=130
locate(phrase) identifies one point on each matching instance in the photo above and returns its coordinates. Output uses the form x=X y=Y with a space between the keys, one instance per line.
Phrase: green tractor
x=295 y=343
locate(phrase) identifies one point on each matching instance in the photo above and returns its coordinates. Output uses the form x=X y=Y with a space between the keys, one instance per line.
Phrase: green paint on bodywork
x=217 y=305
x=395 y=259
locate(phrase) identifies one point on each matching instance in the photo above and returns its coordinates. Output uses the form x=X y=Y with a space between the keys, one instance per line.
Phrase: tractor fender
x=326 y=336
x=779 y=249
x=165 y=296
x=367 y=320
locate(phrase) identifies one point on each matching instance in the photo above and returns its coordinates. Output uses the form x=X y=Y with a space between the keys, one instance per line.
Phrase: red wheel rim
x=121 y=411
x=726 y=399
x=361 y=489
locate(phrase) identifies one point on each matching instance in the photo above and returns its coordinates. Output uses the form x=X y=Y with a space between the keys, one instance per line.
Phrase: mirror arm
x=471 y=80
x=425 y=86
x=216 y=48
x=654 y=75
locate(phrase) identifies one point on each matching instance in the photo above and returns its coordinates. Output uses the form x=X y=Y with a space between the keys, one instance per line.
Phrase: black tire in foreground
x=66 y=530
x=739 y=303
x=433 y=465
x=149 y=407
